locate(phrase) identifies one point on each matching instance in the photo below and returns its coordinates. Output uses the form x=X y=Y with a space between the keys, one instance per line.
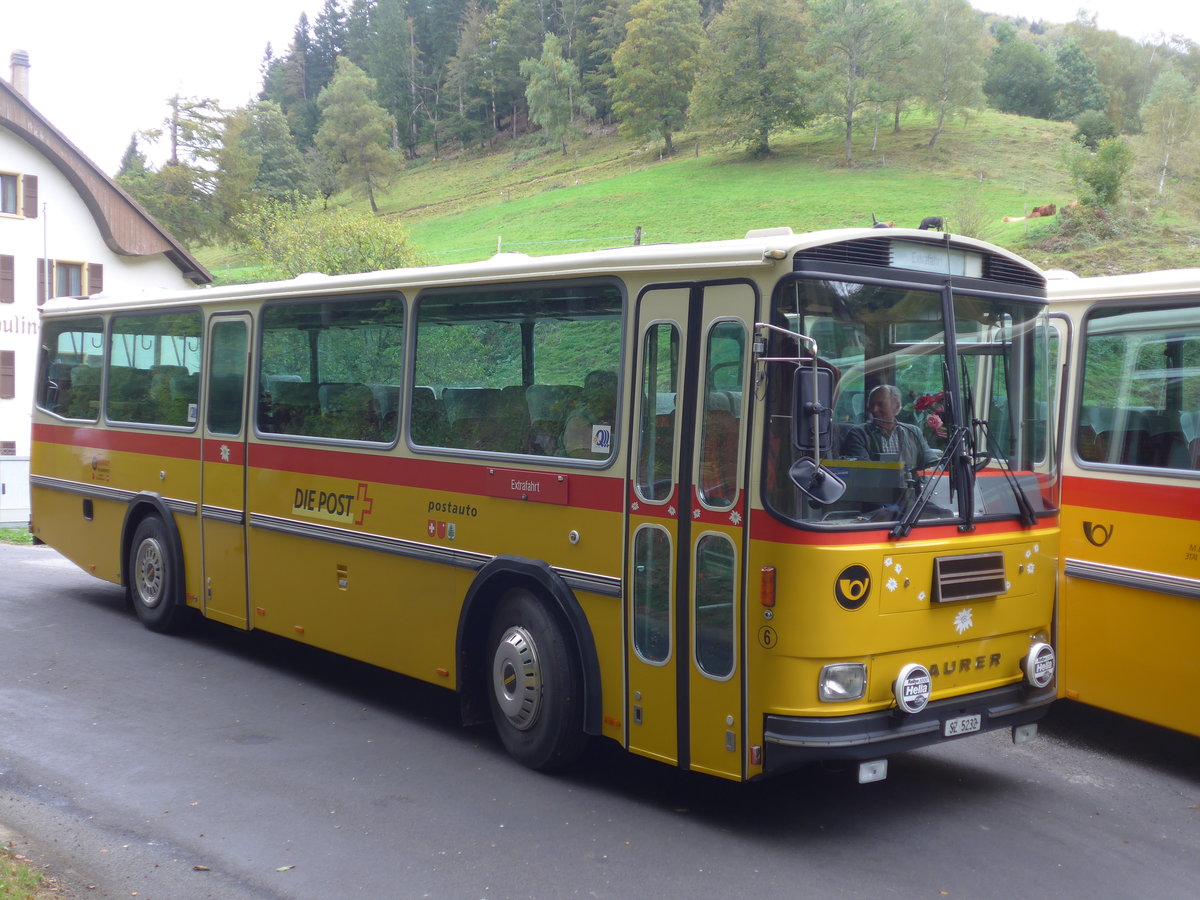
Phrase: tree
x=554 y=91
x=1100 y=176
x=180 y=193
x=752 y=79
x=949 y=56
x=171 y=196
x=1079 y=87
x=1169 y=117
x=863 y=41
x=288 y=240
x=1091 y=127
x=391 y=61
x=655 y=67
x=1020 y=79
x=469 y=78
x=518 y=29
x=281 y=173
x=355 y=130
x=133 y=160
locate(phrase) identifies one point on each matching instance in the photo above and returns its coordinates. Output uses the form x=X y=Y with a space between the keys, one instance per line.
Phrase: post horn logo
x=1097 y=535
x=853 y=587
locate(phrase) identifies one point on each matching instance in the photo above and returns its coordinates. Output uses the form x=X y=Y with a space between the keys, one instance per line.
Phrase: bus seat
x=513 y=420
x=1087 y=443
x=387 y=401
x=429 y=425
x=1194 y=452
x=718 y=451
x=293 y=403
x=83 y=402
x=128 y=393
x=349 y=412
x=548 y=406
x=474 y=415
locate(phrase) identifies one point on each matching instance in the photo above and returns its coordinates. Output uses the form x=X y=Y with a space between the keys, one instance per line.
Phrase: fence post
x=637 y=236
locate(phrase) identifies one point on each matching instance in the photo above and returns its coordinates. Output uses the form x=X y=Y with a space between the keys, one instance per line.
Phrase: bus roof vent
x=1000 y=268
x=782 y=231
x=868 y=252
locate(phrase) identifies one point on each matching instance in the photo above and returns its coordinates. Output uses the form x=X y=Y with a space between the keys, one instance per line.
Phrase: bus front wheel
x=536 y=683
x=152 y=577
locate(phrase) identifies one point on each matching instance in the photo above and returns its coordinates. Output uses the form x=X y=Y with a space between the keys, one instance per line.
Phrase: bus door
x=223 y=489
x=686 y=520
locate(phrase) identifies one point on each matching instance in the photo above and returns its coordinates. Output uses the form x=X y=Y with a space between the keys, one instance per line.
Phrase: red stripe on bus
x=174 y=446
x=584 y=491
x=1176 y=501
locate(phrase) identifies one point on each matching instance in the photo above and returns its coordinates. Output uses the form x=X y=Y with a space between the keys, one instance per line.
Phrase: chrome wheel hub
x=517 y=678
x=148 y=573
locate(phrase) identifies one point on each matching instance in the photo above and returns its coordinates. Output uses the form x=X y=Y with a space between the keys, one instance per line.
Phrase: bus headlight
x=842 y=681
x=912 y=688
x=1039 y=665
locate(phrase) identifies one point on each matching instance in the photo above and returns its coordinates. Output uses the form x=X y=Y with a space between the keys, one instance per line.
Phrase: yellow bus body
x=379 y=552
x=1129 y=604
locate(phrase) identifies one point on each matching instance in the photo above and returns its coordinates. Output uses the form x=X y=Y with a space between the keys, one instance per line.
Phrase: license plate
x=962 y=725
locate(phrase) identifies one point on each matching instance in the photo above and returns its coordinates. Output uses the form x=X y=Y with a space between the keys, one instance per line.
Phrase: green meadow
x=524 y=196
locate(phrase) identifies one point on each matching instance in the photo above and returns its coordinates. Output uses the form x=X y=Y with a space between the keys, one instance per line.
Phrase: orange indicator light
x=766 y=590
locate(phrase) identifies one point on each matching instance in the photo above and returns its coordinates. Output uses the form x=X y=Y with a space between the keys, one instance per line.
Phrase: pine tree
x=355 y=130
x=554 y=91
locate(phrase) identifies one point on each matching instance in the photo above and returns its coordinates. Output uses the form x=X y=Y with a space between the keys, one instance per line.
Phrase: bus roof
x=759 y=248
x=1163 y=283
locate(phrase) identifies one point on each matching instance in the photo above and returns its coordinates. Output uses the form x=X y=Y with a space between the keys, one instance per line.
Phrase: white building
x=66 y=229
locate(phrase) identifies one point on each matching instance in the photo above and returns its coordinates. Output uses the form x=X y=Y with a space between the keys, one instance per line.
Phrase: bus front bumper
x=791 y=742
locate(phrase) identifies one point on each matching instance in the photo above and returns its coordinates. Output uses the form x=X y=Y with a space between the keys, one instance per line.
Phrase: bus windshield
x=904 y=396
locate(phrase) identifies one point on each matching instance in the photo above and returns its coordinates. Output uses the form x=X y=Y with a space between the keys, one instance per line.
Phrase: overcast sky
x=103 y=69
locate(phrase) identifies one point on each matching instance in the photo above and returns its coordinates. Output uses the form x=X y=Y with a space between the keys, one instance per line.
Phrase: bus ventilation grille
x=871 y=252
x=971 y=577
x=1001 y=269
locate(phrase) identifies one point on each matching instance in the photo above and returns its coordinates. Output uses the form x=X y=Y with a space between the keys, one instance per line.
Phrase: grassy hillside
x=527 y=197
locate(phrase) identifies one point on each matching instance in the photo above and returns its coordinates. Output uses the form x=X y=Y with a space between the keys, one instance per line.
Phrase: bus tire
x=152 y=577
x=535 y=683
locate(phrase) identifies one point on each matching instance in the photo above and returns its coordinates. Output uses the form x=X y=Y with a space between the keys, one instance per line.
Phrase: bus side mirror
x=812 y=412
x=812 y=428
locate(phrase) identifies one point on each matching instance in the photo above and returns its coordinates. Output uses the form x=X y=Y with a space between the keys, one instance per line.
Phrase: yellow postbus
x=626 y=493
x=1129 y=614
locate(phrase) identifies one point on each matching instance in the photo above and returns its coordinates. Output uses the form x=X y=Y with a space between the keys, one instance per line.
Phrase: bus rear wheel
x=152 y=577
x=535 y=683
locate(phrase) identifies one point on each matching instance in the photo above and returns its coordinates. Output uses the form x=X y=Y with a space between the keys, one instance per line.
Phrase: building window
x=8 y=291
x=8 y=374
x=68 y=279
x=8 y=194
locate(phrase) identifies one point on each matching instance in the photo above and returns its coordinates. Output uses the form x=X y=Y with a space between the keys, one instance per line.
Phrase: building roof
x=123 y=223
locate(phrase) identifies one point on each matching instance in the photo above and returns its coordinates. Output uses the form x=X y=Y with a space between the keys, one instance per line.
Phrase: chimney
x=20 y=73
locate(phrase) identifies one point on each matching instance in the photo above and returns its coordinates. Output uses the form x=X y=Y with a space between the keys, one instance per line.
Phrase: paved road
x=128 y=759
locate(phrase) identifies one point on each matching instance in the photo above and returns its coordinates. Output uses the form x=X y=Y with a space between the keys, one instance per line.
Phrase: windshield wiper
x=957 y=440
x=1028 y=516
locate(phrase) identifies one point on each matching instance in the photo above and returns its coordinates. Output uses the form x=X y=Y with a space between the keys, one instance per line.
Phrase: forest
x=371 y=88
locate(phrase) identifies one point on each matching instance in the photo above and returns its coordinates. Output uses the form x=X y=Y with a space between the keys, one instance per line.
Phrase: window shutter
x=8 y=374
x=95 y=278
x=8 y=293
x=41 y=282
x=29 y=184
